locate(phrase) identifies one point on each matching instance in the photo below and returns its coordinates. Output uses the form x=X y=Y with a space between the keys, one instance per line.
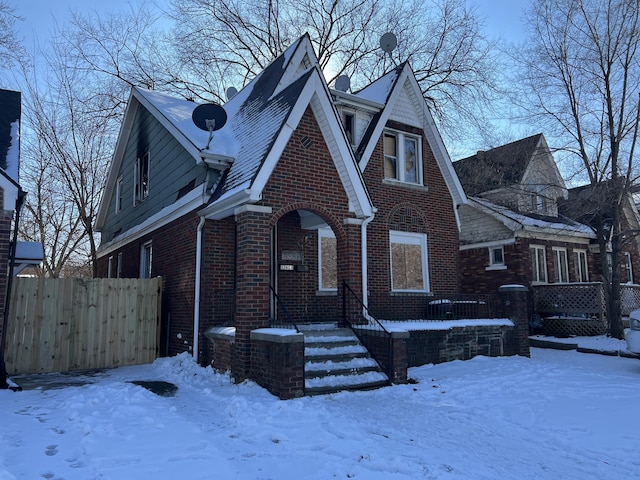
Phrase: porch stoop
x=335 y=360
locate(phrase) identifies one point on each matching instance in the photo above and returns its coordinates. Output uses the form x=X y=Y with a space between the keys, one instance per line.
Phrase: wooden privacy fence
x=65 y=324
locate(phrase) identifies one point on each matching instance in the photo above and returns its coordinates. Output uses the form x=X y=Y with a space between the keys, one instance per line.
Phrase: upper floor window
x=538 y=264
x=119 y=185
x=560 y=265
x=580 y=260
x=402 y=157
x=141 y=179
x=409 y=270
x=349 y=124
x=327 y=254
x=538 y=199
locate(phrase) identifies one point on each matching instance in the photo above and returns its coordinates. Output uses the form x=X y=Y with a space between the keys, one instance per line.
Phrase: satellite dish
x=231 y=92
x=343 y=83
x=209 y=117
x=388 y=42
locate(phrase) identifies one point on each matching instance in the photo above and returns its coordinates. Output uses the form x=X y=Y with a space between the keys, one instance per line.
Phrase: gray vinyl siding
x=171 y=168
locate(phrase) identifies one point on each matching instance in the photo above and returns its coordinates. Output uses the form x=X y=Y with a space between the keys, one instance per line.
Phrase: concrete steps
x=335 y=360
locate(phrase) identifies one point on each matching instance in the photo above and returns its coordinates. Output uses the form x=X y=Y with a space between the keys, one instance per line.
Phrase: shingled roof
x=499 y=167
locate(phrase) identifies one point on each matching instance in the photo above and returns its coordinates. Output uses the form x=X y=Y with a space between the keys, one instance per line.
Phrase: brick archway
x=305 y=265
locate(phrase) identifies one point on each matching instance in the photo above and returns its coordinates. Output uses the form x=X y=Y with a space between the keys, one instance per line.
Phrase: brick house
x=511 y=228
x=305 y=190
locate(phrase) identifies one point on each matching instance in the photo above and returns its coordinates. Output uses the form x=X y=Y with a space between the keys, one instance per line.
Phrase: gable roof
x=499 y=167
x=272 y=106
x=530 y=225
x=260 y=119
x=10 y=110
x=399 y=92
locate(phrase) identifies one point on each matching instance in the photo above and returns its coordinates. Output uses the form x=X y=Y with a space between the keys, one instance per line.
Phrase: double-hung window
x=402 y=157
x=628 y=266
x=560 y=265
x=580 y=260
x=496 y=258
x=327 y=259
x=141 y=179
x=409 y=269
x=538 y=264
x=146 y=256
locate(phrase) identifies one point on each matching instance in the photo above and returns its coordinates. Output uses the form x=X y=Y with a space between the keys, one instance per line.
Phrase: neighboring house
x=11 y=198
x=511 y=229
x=587 y=202
x=304 y=188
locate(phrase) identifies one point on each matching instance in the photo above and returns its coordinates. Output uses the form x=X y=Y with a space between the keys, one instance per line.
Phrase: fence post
x=515 y=299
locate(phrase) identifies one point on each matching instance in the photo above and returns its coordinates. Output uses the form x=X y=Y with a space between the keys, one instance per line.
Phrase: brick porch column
x=350 y=263
x=253 y=252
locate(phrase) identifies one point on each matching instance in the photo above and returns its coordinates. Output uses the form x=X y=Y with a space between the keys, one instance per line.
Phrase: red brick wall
x=476 y=279
x=415 y=210
x=173 y=258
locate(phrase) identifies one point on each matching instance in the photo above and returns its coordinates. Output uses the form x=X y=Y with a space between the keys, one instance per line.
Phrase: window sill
x=496 y=267
x=407 y=293
x=326 y=293
x=397 y=183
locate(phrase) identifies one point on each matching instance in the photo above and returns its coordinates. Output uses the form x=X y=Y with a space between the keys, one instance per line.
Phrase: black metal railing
x=371 y=333
x=281 y=309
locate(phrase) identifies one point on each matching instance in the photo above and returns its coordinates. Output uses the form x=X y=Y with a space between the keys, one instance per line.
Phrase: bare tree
x=11 y=50
x=582 y=74
x=64 y=160
x=232 y=41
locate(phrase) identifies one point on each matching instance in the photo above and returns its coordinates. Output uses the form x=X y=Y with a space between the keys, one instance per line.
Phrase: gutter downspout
x=4 y=379
x=365 y=270
x=196 y=306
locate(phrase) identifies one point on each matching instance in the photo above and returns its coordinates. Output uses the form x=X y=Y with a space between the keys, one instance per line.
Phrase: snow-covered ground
x=560 y=414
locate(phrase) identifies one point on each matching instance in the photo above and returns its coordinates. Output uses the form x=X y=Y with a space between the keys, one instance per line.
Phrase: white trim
x=558 y=271
x=325 y=232
x=186 y=204
x=496 y=265
x=546 y=272
x=410 y=238
x=146 y=264
x=578 y=252
x=489 y=244
x=253 y=208
x=400 y=156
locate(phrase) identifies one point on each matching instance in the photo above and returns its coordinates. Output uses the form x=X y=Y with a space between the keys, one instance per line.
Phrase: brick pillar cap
x=513 y=288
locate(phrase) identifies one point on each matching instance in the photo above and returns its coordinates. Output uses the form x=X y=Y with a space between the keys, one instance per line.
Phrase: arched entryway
x=305 y=273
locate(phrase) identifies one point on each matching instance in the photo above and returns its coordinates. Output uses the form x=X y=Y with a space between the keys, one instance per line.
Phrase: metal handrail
x=373 y=322
x=368 y=315
x=284 y=309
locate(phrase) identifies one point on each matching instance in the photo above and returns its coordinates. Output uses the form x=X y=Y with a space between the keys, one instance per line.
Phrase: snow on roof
x=29 y=252
x=561 y=223
x=379 y=90
x=178 y=112
x=13 y=154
